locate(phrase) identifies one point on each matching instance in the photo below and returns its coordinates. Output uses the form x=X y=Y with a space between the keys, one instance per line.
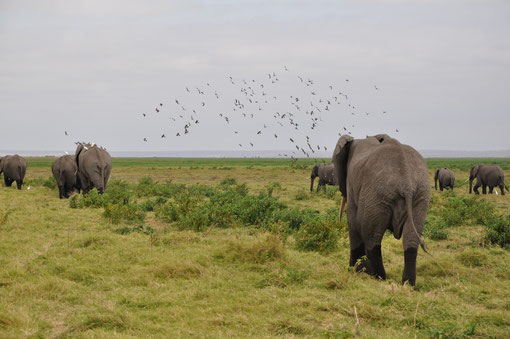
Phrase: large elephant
x=94 y=166
x=64 y=170
x=445 y=177
x=487 y=175
x=386 y=185
x=326 y=174
x=14 y=168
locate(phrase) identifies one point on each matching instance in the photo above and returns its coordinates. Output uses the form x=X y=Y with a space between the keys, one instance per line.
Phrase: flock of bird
x=257 y=111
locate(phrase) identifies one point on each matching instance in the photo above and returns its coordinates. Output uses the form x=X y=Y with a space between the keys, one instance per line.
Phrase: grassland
x=68 y=272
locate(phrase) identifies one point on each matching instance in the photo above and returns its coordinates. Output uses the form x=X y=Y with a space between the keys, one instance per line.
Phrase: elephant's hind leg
x=409 y=274
x=376 y=264
x=19 y=183
x=502 y=189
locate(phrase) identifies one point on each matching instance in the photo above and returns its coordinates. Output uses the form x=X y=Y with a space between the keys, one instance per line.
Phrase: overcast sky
x=92 y=68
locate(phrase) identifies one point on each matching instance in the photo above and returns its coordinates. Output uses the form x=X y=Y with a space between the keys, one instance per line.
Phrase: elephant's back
x=394 y=169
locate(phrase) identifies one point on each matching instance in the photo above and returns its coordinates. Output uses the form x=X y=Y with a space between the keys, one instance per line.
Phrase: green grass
x=76 y=272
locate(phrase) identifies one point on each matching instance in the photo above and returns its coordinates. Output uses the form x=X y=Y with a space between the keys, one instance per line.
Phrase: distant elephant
x=326 y=174
x=14 y=168
x=487 y=175
x=386 y=185
x=94 y=166
x=64 y=170
x=446 y=178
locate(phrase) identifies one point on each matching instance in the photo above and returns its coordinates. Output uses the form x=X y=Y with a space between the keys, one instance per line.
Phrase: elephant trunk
x=312 y=178
x=470 y=185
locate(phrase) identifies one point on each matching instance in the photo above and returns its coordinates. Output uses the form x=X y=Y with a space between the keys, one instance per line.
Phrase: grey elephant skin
x=386 y=185
x=94 y=166
x=64 y=170
x=487 y=176
x=326 y=174
x=445 y=177
x=14 y=168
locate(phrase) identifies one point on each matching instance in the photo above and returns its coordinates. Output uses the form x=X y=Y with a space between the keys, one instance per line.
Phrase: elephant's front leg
x=19 y=183
x=409 y=274
x=484 y=189
x=478 y=184
x=491 y=189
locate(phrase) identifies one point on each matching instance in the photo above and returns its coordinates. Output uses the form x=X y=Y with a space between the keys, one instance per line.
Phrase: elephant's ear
x=77 y=155
x=340 y=155
x=474 y=170
x=382 y=137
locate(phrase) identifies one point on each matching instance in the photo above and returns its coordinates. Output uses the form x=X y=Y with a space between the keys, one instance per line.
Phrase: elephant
x=94 y=166
x=487 y=175
x=326 y=174
x=64 y=170
x=14 y=168
x=386 y=186
x=446 y=178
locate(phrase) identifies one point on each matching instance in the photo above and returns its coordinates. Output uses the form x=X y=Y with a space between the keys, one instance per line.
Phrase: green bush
x=118 y=192
x=131 y=213
x=497 y=231
x=167 y=212
x=302 y=194
x=435 y=230
x=196 y=219
x=92 y=199
x=294 y=217
x=228 y=182
x=319 y=234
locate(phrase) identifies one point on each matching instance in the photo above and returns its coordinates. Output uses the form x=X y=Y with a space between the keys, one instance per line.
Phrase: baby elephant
x=14 y=168
x=64 y=170
x=326 y=174
x=446 y=178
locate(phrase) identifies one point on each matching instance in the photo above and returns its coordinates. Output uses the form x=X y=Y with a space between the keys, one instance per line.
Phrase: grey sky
x=93 y=67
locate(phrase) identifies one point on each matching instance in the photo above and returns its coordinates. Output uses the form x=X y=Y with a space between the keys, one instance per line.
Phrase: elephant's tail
x=409 y=207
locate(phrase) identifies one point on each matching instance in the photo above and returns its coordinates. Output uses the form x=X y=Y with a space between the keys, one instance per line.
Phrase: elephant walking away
x=487 y=176
x=94 y=166
x=64 y=170
x=14 y=168
x=326 y=174
x=386 y=185
x=445 y=177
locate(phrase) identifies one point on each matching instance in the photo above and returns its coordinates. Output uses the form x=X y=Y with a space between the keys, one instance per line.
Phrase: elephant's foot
x=376 y=264
x=409 y=274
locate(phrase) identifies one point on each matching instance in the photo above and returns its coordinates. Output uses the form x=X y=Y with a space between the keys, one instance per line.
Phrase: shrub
x=264 y=250
x=319 y=234
x=50 y=183
x=294 y=217
x=302 y=194
x=118 y=192
x=197 y=219
x=256 y=210
x=166 y=212
x=435 y=230
x=115 y=213
x=228 y=182
x=497 y=231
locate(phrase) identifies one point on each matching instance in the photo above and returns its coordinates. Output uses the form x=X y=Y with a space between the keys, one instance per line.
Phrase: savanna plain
x=241 y=248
